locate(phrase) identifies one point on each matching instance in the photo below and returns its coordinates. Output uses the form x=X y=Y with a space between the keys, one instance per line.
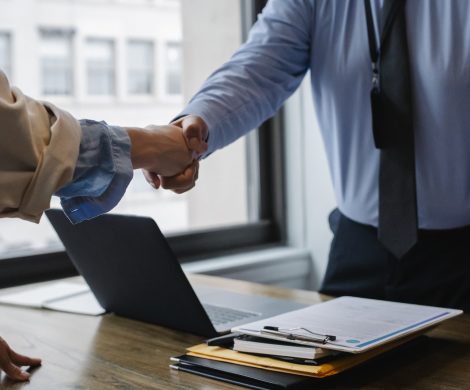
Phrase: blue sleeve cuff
x=223 y=128
x=213 y=120
x=103 y=172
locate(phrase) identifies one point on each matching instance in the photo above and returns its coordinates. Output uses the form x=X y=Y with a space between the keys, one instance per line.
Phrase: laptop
x=133 y=272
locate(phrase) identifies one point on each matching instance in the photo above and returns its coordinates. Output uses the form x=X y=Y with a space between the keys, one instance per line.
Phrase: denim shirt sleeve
x=102 y=174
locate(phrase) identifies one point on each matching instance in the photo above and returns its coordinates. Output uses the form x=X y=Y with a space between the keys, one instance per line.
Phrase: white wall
x=220 y=194
x=310 y=196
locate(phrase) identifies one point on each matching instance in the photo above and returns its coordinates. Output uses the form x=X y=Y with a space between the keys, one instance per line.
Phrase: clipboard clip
x=289 y=335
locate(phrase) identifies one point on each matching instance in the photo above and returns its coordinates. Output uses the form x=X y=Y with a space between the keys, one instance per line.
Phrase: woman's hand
x=10 y=362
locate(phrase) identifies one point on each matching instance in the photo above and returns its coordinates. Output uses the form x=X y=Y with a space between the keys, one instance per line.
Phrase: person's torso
x=439 y=44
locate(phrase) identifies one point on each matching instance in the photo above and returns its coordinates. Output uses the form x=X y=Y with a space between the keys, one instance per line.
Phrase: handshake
x=169 y=155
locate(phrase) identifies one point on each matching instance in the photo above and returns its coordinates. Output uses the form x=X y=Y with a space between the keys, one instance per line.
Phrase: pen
x=287 y=333
x=223 y=341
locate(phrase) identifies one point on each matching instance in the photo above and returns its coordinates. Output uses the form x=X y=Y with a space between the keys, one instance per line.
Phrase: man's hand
x=10 y=362
x=195 y=132
x=160 y=151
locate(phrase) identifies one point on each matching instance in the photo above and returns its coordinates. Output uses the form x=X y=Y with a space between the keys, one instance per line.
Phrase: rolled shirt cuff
x=103 y=173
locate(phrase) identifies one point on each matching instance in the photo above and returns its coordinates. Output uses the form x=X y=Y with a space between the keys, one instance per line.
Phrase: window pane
x=5 y=53
x=100 y=66
x=173 y=69
x=140 y=67
x=56 y=62
x=139 y=48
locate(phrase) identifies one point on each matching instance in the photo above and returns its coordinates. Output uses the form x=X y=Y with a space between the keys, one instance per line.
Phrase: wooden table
x=111 y=352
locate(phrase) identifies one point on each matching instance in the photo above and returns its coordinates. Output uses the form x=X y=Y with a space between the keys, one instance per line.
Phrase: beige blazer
x=39 y=145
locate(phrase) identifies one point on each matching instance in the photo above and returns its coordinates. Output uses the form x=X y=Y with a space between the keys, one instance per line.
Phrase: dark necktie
x=393 y=134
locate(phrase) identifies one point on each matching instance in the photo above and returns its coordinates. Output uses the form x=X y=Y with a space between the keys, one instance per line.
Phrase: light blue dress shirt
x=102 y=174
x=329 y=38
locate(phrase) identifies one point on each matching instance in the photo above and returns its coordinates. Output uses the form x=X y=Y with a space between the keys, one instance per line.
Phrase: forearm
x=261 y=75
x=143 y=150
x=88 y=164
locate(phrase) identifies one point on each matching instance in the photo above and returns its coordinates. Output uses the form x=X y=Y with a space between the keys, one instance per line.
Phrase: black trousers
x=435 y=272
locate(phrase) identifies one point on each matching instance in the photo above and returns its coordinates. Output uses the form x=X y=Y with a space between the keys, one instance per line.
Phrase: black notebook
x=253 y=378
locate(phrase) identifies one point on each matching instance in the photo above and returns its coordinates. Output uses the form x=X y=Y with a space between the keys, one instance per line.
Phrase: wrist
x=142 y=147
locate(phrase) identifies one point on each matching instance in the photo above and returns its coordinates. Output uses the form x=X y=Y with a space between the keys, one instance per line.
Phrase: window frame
x=268 y=231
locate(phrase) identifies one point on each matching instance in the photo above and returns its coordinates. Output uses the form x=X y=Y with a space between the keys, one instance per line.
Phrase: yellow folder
x=320 y=371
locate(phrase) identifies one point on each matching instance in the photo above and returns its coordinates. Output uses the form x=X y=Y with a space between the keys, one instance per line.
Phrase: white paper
x=36 y=296
x=359 y=324
x=60 y=296
x=83 y=303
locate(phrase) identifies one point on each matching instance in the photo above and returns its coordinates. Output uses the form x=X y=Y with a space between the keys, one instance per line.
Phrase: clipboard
x=349 y=324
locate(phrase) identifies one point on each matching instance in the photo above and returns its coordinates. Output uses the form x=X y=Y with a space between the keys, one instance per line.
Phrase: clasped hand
x=180 y=145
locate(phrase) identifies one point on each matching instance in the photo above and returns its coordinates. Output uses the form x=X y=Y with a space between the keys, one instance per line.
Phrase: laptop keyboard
x=221 y=315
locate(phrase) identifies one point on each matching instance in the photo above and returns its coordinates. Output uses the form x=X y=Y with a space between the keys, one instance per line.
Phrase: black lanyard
x=374 y=51
x=381 y=141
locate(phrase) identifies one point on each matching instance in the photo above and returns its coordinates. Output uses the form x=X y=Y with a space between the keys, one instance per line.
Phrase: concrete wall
x=221 y=192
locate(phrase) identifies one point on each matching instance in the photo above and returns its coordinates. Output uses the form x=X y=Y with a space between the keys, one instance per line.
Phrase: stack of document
x=317 y=341
x=280 y=349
